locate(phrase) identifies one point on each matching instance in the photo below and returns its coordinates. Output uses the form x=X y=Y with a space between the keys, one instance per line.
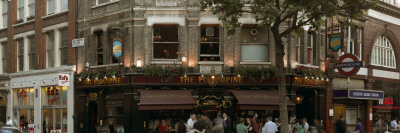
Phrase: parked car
x=9 y=129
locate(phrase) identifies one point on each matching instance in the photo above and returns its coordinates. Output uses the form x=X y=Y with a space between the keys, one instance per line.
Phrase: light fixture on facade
x=44 y=81
x=87 y=78
x=239 y=75
x=105 y=77
x=202 y=75
x=184 y=59
x=113 y=76
x=80 y=78
x=6 y=84
x=299 y=99
x=97 y=78
x=185 y=76
x=87 y=65
x=222 y=75
x=138 y=65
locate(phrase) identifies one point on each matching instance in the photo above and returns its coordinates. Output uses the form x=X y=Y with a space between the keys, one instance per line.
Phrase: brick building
x=148 y=60
x=34 y=38
x=374 y=40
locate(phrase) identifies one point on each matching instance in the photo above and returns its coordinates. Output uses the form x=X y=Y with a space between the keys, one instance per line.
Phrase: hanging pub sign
x=117 y=38
x=335 y=41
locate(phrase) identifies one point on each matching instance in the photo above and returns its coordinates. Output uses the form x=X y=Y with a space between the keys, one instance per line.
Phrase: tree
x=272 y=14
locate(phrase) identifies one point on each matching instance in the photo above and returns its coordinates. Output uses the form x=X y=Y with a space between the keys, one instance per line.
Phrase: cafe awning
x=165 y=100
x=259 y=100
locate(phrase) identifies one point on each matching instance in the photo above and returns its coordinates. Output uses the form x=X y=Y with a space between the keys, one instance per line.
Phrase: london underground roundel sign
x=348 y=65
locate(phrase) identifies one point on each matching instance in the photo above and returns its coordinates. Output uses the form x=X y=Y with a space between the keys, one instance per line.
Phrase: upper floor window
x=20 y=51
x=4 y=13
x=31 y=52
x=50 y=49
x=64 y=46
x=21 y=11
x=103 y=1
x=100 y=51
x=165 y=42
x=31 y=6
x=310 y=48
x=254 y=44
x=382 y=53
x=4 y=57
x=389 y=1
x=209 y=43
x=54 y=6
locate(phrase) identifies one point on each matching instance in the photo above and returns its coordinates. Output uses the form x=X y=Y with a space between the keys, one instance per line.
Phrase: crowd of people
x=222 y=123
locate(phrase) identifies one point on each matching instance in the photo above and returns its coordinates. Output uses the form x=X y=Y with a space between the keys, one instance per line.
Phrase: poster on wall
x=351 y=115
x=63 y=79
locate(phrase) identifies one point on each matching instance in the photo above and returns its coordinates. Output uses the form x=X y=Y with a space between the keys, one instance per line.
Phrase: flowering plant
x=167 y=70
x=264 y=72
x=102 y=72
x=308 y=71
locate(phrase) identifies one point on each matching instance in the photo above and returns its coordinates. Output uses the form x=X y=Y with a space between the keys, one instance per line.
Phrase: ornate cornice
x=388 y=9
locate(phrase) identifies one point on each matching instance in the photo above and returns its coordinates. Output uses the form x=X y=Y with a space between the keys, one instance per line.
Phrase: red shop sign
x=386 y=101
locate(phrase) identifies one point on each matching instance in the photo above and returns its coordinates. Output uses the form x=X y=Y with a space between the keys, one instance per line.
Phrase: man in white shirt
x=9 y=121
x=306 y=126
x=191 y=122
x=393 y=124
x=269 y=127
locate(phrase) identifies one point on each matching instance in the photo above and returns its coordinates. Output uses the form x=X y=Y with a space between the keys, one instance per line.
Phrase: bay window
x=254 y=44
x=165 y=42
x=209 y=43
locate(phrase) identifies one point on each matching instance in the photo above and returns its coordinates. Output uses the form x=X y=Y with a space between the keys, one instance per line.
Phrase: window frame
x=31 y=52
x=31 y=6
x=58 y=7
x=50 y=50
x=61 y=47
x=383 y=53
x=20 y=54
x=4 y=57
x=154 y=42
x=19 y=7
x=109 y=1
x=4 y=14
x=258 y=43
x=219 y=43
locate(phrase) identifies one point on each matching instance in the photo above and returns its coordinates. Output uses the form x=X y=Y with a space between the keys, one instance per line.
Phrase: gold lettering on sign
x=102 y=81
x=302 y=81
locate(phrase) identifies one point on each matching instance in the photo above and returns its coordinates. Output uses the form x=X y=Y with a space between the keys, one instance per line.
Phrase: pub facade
x=147 y=61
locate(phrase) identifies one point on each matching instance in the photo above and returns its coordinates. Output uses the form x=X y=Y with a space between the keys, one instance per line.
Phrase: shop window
x=4 y=13
x=4 y=57
x=20 y=43
x=209 y=43
x=165 y=42
x=64 y=46
x=50 y=49
x=382 y=53
x=115 y=109
x=54 y=95
x=100 y=52
x=54 y=119
x=31 y=52
x=254 y=44
x=23 y=107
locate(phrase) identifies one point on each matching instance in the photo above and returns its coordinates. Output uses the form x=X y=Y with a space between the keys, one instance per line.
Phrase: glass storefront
x=54 y=108
x=23 y=110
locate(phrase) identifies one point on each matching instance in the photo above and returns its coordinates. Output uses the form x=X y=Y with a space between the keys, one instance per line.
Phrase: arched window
x=382 y=53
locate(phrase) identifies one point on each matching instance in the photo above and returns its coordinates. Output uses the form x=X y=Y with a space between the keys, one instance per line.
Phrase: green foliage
x=263 y=72
x=166 y=70
x=102 y=72
x=273 y=13
x=310 y=72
